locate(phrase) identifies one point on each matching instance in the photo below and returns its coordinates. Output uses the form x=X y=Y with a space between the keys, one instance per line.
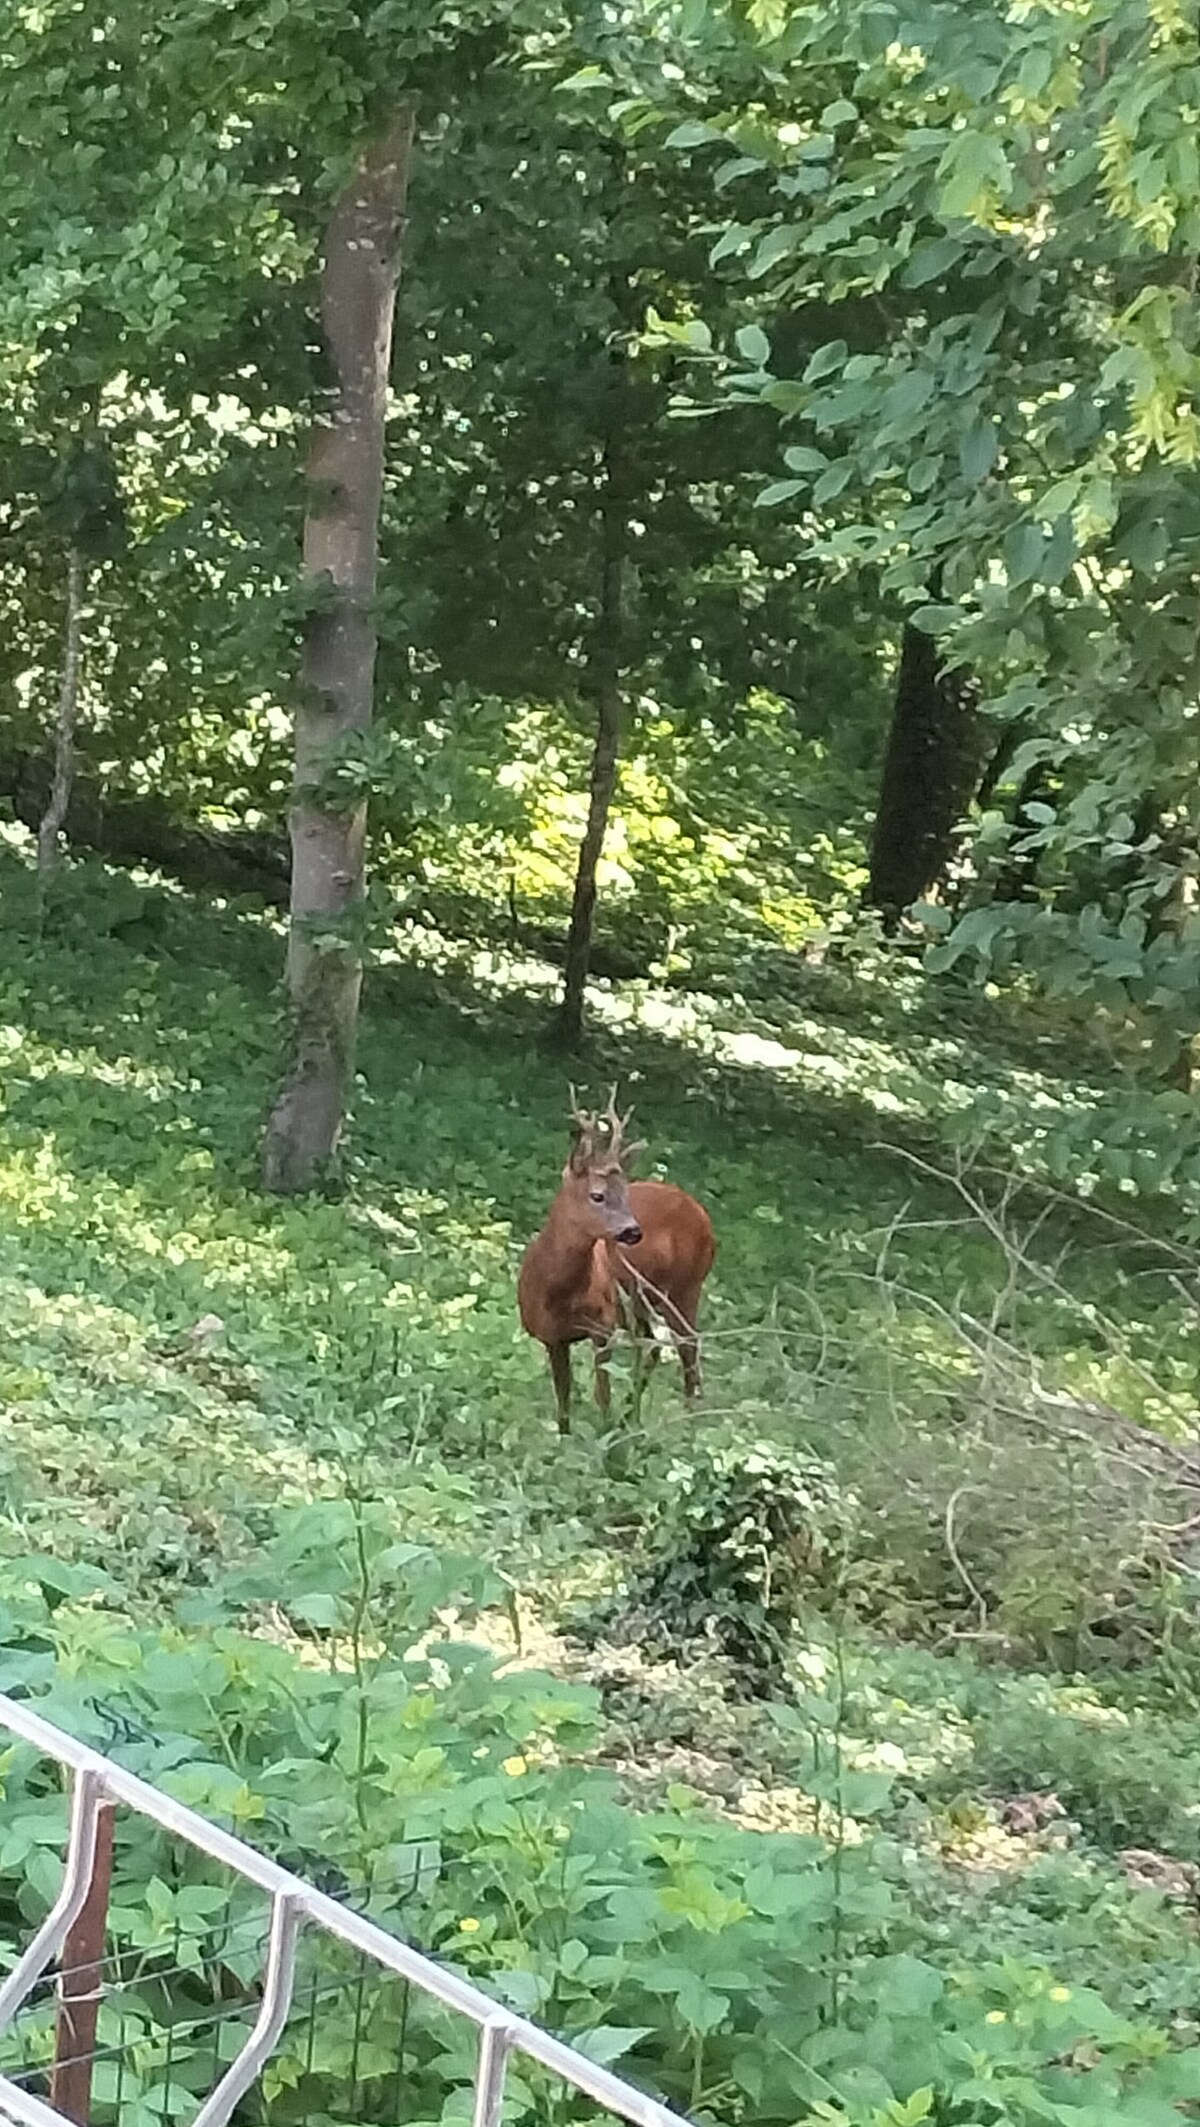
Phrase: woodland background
x=753 y=623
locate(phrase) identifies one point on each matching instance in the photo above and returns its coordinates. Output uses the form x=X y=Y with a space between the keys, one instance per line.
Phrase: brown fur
x=567 y=1290
x=666 y=1269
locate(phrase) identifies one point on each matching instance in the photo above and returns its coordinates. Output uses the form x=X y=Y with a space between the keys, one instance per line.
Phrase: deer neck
x=569 y=1250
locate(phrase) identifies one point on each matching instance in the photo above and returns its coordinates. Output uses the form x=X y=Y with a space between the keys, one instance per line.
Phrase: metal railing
x=99 y=1782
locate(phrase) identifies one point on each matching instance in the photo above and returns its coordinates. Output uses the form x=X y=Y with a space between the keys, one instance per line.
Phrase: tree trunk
x=51 y=823
x=1011 y=738
x=928 y=776
x=341 y=549
x=1017 y=878
x=605 y=662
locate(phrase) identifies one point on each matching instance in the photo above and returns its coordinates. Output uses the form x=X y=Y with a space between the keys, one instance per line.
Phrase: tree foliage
x=976 y=233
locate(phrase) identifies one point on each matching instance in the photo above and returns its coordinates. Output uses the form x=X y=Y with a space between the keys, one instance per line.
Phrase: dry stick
x=1037 y=1271
x=980 y=1601
x=80 y=1988
x=1185 y=1469
x=666 y=1306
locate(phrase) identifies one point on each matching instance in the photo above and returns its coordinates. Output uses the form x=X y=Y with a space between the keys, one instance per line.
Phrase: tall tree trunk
x=605 y=673
x=929 y=772
x=51 y=823
x=341 y=549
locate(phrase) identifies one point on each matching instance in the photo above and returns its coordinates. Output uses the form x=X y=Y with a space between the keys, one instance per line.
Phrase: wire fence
x=111 y=2023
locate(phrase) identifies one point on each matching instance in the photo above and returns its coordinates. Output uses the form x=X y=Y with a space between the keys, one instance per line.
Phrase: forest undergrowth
x=828 y=1752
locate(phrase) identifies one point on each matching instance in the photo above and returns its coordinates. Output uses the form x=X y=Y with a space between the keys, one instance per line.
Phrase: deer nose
x=630 y=1234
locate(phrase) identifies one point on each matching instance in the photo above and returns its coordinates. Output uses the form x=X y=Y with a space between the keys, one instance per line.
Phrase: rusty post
x=80 y=1988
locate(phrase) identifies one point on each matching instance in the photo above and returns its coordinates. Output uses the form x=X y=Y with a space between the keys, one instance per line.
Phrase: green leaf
x=735 y=239
x=914 y=2109
x=779 y=491
x=610 y=2042
x=933 y=915
x=777 y=244
x=1059 y=499
x=700 y=2006
x=753 y=345
x=904 y=1986
x=1144 y=545
x=319 y=1609
x=832 y=481
x=978 y=450
x=1024 y=551
x=973 y=168
x=786 y=395
x=825 y=360
x=693 y=133
x=931 y=260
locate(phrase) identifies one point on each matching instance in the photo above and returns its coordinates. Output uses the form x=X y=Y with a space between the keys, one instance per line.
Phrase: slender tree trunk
x=605 y=663
x=341 y=548
x=1011 y=738
x=929 y=772
x=1017 y=879
x=51 y=823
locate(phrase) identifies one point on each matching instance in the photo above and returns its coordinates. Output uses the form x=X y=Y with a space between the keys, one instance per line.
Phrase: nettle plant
x=747 y=1976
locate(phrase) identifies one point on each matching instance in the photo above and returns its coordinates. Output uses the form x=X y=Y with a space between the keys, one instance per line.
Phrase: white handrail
x=502 y=2032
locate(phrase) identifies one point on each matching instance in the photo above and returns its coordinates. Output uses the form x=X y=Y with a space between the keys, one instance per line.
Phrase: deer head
x=596 y=1176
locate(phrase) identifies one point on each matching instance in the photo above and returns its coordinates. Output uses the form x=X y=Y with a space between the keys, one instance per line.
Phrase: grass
x=136 y=1076
x=182 y=1356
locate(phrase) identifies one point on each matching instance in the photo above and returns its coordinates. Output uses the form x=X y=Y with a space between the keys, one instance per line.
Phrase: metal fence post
x=80 y=1986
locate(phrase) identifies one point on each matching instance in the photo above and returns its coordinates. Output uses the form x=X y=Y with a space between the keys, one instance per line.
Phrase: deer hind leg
x=560 y=1372
x=687 y=1340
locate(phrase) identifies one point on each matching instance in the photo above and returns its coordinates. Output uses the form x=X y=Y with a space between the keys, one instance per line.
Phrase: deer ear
x=580 y=1154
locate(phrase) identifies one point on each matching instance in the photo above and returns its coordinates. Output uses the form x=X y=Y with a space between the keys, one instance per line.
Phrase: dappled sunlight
x=687 y=840
x=116 y=1451
x=908 y=1076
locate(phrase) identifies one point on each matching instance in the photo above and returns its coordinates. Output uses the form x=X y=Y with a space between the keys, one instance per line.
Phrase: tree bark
x=929 y=772
x=341 y=549
x=51 y=823
x=605 y=663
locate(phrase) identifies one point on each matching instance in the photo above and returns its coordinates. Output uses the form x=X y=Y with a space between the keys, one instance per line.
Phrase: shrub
x=748 y=1976
x=738 y=1539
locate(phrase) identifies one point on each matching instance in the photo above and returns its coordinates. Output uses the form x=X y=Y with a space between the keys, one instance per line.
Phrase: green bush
x=738 y=1538
x=749 y=1977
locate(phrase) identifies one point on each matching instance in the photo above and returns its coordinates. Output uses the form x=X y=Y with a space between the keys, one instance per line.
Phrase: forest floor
x=903 y=1295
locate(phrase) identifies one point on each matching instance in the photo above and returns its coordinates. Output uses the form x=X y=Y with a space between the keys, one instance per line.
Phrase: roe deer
x=607 y=1236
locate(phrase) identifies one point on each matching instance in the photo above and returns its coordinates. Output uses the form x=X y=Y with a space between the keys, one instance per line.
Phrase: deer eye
x=597 y=1196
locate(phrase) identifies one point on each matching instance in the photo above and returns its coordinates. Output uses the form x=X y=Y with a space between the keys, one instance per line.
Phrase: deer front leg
x=603 y=1384
x=560 y=1372
x=689 y=1354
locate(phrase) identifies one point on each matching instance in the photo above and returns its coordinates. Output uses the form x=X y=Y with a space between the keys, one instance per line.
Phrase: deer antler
x=584 y=1125
x=616 y=1126
x=604 y=1130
